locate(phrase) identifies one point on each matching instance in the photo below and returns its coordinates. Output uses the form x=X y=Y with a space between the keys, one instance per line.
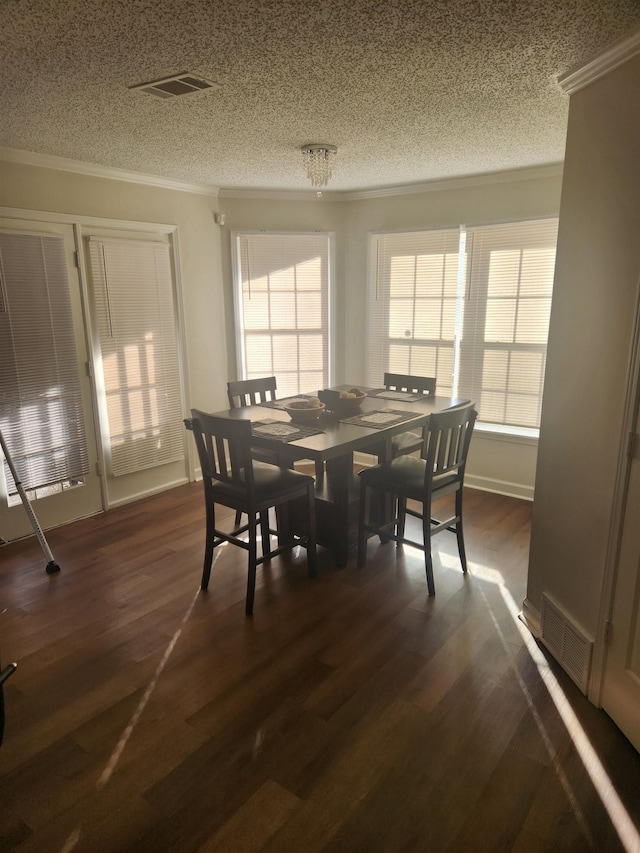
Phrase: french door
x=46 y=412
x=136 y=361
x=91 y=378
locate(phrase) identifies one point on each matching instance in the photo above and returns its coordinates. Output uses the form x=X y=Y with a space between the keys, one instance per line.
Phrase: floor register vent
x=566 y=642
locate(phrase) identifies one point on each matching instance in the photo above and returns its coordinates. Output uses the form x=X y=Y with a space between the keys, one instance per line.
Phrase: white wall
x=495 y=462
x=505 y=465
x=62 y=192
x=594 y=303
x=251 y=214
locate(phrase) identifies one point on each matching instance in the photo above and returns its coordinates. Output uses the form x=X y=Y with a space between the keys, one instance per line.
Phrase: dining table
x=330 y=444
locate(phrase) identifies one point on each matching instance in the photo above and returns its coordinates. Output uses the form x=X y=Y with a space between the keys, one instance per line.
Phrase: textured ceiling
x=409 y=91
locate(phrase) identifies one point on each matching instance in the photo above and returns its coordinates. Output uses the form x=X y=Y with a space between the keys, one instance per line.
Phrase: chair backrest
x=447 y=439
x=224 y=450
x=250 y=392
x=412 y=384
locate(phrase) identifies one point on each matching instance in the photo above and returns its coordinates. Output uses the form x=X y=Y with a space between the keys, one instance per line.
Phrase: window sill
x=500 y=432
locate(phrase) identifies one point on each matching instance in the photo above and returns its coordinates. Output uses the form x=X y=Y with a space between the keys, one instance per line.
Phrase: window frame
x=526 y=434
x=502 y=237
x=236 y=267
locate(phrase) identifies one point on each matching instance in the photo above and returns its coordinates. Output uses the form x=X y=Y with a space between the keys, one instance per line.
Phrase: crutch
x=51 y=566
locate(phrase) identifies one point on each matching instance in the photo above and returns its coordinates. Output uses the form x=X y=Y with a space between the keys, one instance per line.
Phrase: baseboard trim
x=139 y=496
x=530 y=617
x=483 y=484
x=500 y=487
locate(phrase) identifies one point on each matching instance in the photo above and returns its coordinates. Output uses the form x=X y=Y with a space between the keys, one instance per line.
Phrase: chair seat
x=404 y=476
x=406 y=442
x=262 y=455
x=271 y=483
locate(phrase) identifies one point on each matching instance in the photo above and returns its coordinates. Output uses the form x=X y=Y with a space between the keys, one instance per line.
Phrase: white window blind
x=413 y=306
x=41 y=412
x=504 y=343
x=471 y=307
x=282 y=305
x=135 y=317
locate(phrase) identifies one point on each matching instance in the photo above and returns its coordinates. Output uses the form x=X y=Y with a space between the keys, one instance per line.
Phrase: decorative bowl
x=350 y=405
x=303 y=412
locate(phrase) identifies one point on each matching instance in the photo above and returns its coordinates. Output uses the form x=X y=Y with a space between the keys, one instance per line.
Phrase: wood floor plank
x=255 y=822
x=351 y=713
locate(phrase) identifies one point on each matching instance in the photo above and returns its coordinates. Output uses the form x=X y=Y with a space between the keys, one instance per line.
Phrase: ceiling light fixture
x=317 y=158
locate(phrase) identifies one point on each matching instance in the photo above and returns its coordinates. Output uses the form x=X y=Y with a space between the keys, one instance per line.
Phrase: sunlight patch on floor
x=74 y=837
x=622 y=823
x=620 y=819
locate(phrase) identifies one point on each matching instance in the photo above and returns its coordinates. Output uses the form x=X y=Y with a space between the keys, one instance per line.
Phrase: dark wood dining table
x=333 y=446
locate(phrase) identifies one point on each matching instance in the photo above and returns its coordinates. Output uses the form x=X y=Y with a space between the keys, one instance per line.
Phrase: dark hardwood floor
x=350 y=713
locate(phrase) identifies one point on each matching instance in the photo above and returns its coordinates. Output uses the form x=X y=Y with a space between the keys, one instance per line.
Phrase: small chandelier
x=318 y=158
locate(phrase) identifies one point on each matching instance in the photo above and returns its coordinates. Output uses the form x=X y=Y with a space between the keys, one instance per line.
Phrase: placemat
x=280 y=431
x=380 y=418
x=386 y=394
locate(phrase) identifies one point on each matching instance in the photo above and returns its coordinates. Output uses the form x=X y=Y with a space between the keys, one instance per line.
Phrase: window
x=282 y=308
x=41 y=416
x=471 y=307
x=135 y=316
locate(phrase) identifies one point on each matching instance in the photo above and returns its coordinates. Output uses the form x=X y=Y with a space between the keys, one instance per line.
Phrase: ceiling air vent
x=178 y=84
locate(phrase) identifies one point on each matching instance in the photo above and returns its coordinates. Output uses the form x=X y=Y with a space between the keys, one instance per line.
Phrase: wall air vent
x=566 y=642
x=179 y=84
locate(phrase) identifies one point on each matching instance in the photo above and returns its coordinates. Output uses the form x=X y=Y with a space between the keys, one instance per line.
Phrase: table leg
x=339 y=476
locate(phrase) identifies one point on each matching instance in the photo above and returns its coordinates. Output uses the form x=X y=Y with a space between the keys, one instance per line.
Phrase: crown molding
x=85 y=221
x=550 y=170
x=49 y=161
x=617 y=53
x=280 y=195
x=529 y=173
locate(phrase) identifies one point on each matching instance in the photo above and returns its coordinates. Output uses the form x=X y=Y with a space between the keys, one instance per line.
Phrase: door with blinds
x=46 y=414
x=136 y=362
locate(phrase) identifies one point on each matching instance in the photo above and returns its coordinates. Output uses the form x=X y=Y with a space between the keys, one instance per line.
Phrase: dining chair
x=251 y=392
x=408 y=442
x=410 y=384
x=232 y=478
x=439 y=471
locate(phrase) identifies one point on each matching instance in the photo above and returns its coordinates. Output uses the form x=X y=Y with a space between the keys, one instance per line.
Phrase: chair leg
x=362 y=517
x=253 y=556
x=428 y=560
x=312 y=556
x=264 y=532
x=401 y=519
x=460 y=532
x=209 y=546
x=237 y=519
x=383 y=510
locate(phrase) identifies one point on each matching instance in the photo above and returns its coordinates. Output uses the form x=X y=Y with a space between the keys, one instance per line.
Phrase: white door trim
x=614 y=536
